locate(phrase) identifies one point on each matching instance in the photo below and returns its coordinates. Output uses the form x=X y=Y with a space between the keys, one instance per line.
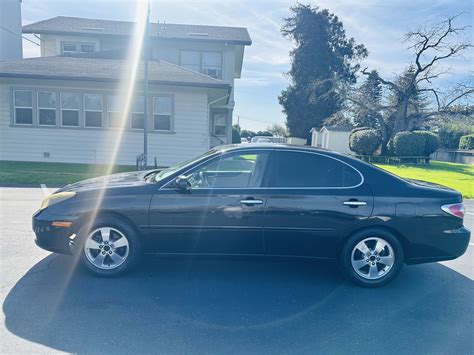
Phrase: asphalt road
x=205 y=305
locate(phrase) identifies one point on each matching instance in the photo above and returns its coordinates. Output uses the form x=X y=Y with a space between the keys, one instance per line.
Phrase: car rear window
x=306 y=169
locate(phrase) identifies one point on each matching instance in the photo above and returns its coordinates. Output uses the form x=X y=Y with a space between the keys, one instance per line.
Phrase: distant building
x=64 y=106
x=334 y=138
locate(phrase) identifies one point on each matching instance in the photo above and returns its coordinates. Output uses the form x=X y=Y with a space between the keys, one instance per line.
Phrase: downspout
x=209 y=117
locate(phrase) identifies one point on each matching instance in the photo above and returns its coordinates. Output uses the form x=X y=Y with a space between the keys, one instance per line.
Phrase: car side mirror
x=182 y=183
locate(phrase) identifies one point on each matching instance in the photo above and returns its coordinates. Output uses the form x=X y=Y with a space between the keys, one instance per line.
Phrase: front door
x=314 y=200
x=220 y=213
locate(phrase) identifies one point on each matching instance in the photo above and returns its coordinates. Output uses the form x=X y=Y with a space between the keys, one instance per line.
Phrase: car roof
x=270 y=145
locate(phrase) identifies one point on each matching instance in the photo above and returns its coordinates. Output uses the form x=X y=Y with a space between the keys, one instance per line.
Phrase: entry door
x=221 y=212
x=314 y=200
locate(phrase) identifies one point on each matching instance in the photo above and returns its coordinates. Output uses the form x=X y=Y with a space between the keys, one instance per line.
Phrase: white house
x=334 y=138
x=66 y=105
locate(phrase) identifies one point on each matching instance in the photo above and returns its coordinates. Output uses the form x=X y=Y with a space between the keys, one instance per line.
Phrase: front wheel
x=110 y=247
x=372 y=258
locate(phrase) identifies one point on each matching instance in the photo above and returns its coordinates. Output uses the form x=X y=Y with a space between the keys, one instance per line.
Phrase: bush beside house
x=466 y=142
x=364 y=141
x=408 y=144
x=431 y=142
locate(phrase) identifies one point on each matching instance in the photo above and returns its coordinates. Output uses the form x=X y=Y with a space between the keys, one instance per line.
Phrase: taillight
x=455 y=209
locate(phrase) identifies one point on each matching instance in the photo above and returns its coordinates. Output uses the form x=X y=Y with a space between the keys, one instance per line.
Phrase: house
x=68 y=104
x=334 y=138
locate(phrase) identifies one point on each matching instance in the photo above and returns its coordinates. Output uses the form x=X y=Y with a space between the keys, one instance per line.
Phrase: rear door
x=220 y=213
x=314 y=200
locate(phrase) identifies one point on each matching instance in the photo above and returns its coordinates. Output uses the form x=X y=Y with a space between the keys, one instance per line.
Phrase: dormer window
x=209 y=63
x=74 y=48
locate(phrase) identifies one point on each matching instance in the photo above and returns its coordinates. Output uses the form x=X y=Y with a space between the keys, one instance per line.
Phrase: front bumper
x=51 y=238
x=448 y=245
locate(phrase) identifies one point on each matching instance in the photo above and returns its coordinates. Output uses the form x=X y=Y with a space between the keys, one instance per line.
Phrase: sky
x=378 y=24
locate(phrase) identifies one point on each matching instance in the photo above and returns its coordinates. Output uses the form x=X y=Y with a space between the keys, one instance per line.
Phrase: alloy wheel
x=106 y=248
x=372 y=258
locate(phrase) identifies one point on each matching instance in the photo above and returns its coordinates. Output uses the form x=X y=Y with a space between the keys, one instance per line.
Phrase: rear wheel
x=110 y=247
x=372 y=258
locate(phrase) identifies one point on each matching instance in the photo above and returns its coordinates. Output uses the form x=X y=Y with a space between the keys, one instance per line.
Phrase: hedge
x=408 y=144
x=365 y=141
x=451 y=134
x=466 y=142
x=431 y=142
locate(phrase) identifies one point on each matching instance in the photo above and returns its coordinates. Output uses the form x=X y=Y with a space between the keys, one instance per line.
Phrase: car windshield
x=163 y=174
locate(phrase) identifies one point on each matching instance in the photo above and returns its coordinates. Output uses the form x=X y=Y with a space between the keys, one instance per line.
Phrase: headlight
x=55 y=198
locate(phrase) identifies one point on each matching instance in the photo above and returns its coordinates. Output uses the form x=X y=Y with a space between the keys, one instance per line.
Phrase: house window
x=162 y=113
x=69 y=109
x=137 y=113
x=46 y=108
x=220 y=123
x=191 y=60
x=73 y=48
x=114 y=111
x=93 y=110
x=212 y=64
x=209 y=63
x=23 y=106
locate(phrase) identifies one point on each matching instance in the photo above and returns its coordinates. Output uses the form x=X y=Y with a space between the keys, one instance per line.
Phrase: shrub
x=431 y=141
x=365 y=141
x=466 y=142
x=450 y=134
x=408 y=144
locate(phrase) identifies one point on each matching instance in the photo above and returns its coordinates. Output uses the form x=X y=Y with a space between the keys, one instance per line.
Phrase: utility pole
x=146 y=54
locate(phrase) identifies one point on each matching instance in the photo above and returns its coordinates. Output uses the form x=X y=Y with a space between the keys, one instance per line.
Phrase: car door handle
x=355 y=203
x=251 y=202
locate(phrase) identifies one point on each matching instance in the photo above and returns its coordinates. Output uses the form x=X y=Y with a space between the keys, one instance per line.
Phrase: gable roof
x=78 y=25
x=106 y=70
x=342 y=128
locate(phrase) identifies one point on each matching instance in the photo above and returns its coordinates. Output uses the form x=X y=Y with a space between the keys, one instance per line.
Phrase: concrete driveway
x=203 y=305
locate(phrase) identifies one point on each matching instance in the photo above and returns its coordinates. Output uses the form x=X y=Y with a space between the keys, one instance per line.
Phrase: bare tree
x=431 y=46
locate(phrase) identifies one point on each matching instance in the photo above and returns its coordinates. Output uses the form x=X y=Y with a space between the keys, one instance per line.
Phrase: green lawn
x=456 y=176
x=12 y=172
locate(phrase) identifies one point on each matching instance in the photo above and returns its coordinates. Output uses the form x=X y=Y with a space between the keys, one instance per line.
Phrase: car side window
x=300 y=169
x=231 y=171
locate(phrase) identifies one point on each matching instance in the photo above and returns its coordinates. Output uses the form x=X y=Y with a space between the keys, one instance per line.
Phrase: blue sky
x=378 y=24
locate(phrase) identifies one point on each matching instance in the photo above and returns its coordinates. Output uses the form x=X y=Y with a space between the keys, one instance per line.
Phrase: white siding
x=190 y=137
x=338 y=142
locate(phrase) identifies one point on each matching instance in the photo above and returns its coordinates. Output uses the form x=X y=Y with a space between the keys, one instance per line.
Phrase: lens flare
x=125 y=92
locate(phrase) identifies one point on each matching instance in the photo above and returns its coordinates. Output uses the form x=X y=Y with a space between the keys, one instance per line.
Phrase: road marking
x=45 y=189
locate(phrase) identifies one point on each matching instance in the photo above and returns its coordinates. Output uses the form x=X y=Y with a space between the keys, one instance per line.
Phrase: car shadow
x=217 y=305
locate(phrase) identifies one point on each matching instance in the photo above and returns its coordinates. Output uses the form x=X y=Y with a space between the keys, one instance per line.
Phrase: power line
x=26 y=38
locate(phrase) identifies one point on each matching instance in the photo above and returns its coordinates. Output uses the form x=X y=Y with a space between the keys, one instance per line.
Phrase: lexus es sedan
x=257 y=199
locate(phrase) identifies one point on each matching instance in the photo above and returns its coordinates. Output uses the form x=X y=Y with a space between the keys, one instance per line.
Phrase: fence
x=454 y=156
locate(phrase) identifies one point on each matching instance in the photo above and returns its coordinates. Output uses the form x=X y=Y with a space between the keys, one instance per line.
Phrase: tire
x=372 y=258
x=100 y=255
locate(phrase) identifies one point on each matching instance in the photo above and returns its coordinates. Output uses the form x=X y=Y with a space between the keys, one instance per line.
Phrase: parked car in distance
x=258 y=199
x=268 y=139
x=244 y=140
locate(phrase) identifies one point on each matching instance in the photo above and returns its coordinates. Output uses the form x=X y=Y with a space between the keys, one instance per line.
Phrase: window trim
x=38 y=108
x=201 y=61
x=15 y=107
x=86 y=110
x=362 y=179
x=61 y=109
x=171 y=97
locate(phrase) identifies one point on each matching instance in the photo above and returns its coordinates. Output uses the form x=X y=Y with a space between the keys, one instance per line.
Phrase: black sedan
x=257 y=199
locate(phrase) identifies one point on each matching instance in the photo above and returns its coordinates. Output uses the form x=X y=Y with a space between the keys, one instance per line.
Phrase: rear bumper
x=448 y=245
x=51 y=238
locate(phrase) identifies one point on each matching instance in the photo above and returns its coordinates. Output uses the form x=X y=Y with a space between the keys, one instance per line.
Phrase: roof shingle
x=77 y=25
x=99 y=69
